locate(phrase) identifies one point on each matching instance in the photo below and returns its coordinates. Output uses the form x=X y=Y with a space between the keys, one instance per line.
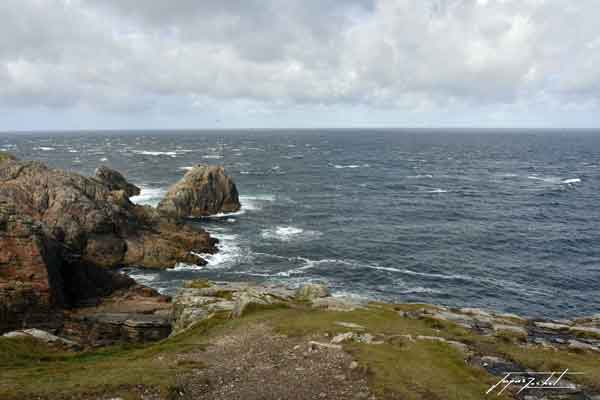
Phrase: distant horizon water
x=460 y=217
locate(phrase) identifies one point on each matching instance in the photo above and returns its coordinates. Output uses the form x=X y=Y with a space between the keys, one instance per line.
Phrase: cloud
x=430 y=57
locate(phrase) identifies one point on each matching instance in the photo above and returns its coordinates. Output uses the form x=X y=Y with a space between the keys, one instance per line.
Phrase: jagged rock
x=313 y=345
x=586 y=331
x=115 y=181
x=60 y=231
x=198 y=302
x=204 y=190
x=312 y=291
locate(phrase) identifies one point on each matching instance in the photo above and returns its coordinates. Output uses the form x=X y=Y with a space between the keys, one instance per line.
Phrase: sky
x=195 y=64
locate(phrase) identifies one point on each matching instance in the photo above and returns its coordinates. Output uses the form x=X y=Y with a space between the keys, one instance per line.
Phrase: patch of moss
x=5 y=156
x=421 y=370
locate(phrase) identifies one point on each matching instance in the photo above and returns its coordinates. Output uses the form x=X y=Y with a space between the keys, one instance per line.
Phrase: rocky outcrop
x=204 y=190
x=200 y=300
x=115 y=181
x=61 y=232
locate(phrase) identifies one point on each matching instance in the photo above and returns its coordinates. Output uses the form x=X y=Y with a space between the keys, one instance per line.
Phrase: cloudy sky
x=108 y=64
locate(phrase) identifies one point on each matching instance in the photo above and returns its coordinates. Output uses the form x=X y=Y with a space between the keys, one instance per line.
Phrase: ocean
x=501 y=219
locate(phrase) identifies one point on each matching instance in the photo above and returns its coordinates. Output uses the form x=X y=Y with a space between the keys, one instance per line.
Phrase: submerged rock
x=204 y=190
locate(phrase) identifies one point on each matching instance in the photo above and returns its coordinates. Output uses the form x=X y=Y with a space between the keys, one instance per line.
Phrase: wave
x=149 y=196
x=289 y=233
x=255 y=202
x=555 y=180
x=437 y=190
x=351 y=166
x=428 y=176
x=155 y=153
x=44 y=148
x=420 y=290
x=212 y=156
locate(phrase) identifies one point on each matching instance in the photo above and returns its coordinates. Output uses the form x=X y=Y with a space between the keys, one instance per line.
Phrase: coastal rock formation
x=204 y=190
x=200 y=300
x=115 y=181
x=60 y=232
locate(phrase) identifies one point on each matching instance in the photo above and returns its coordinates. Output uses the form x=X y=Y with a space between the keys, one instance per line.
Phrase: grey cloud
x=383 y=54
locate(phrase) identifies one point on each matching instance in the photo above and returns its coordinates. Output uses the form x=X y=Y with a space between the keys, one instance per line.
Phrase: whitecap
x=571 y=181
x=420 y=290
x=44 y=148
x=289 y=233
x=212 y=156
x=149 y=196
x=255 y=202
x=351 y=166
x=230 y=252
x=104 y=159
x=185 y=168
x=420 y=176
x=156 y=153
x=437 y=190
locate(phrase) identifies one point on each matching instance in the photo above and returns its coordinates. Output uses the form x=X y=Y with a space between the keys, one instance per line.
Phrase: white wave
x=554 y=180
x=212 y=156
x=437 y=190
x=104 y=159
x=149 y=196
x=423 y=274
x=185 y=168
x=43 y=148
x=156 y=153
x=230 y=253
x=289 y=233
x=224 y=215
x=255 y=202
x=351 y=166
x=73 y=151
x=143 y=278
x=420 y=176
x=420 y=290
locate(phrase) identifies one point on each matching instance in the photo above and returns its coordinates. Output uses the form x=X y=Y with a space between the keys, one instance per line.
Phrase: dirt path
x=255 y=363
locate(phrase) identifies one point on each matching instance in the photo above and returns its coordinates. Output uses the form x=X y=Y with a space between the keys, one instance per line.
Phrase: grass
x=198 y=284
x=32 y=368
x=400 y=368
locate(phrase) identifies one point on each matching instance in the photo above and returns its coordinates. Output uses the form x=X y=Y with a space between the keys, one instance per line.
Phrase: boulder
x=204 y=190
x=311 y=291
x=115 y=181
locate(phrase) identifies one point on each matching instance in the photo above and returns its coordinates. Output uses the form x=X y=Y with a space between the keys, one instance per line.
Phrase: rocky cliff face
x=204 y=190
x=61 y=233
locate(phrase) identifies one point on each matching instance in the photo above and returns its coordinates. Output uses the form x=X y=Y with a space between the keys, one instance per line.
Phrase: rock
x=115 y=181
x=585 y=331
x=511 y=329
x=204 y=190
x=342 y=337
x=353 y=365
x=350 y=325
x=313 y=345
x=311 y=291
x=551 y=326
x=42 y=336
x=60 y=232
x=197 y=302
x=367 y=338
x=577 y=345
x=334 y=304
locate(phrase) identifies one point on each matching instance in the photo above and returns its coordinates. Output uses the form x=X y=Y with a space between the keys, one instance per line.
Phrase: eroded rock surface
x=61 y=232
x=204 y=190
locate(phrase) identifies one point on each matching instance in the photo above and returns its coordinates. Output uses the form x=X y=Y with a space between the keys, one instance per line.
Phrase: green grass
x=198 y=284
x=400 y=368
x=32 y=368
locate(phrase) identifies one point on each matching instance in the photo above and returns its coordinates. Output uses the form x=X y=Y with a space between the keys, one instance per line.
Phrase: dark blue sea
x=507 y=220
